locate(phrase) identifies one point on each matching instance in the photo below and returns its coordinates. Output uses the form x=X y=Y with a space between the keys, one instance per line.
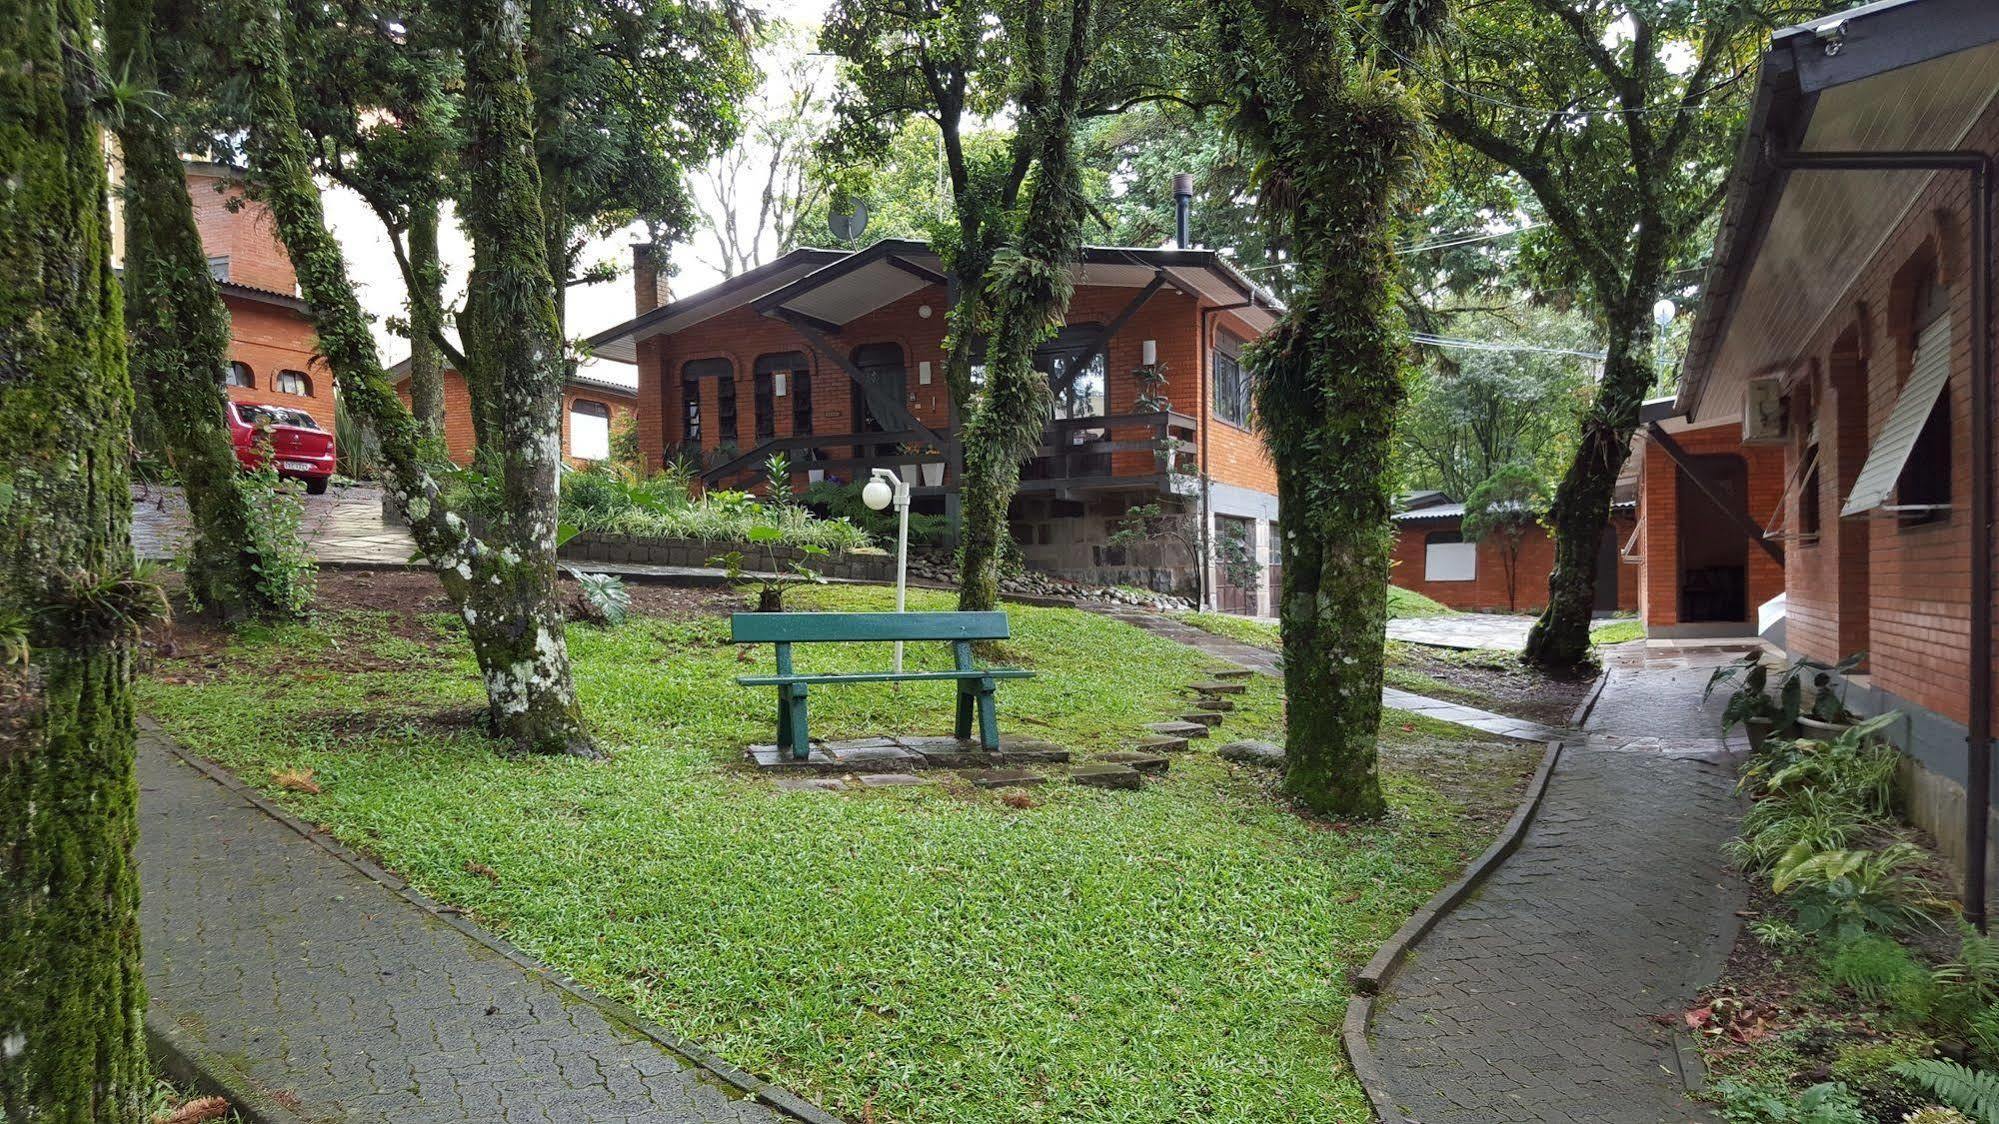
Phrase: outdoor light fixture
x=883 y=489
x=1148 y=353
x=777 y=384
x=923 y=310
x=923 y=373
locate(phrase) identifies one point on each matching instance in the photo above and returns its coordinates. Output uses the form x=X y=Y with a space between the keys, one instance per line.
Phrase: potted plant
x=1751 y=704
x=908 y=470
x=776 y=577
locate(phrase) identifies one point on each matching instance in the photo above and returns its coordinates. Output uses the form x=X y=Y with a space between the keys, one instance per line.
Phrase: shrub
x=1814 y=819
x=1968 y=987
x=1973 y=1092
x=1844 y=894
x=1827 y=1103
x=1879 y=970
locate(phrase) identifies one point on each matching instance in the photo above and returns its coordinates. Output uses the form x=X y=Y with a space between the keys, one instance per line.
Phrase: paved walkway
x=344 y=526
x=1536 y=999
x=1464 y=630
x=1265 y=661
x=309 y=980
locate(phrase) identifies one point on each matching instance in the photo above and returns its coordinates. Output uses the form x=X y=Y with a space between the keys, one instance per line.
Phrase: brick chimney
x=647 y=293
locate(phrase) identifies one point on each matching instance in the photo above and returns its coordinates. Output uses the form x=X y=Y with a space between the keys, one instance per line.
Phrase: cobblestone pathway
x=1464 y=630
x=1535 y=1000
x=308 y=980
x=343 y=526
x=1265 y=661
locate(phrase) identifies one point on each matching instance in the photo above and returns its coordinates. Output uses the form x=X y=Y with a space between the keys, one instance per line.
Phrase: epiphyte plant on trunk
x=1338 y=139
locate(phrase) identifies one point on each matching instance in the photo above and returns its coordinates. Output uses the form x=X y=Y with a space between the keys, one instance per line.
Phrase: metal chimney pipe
x=1183 y=206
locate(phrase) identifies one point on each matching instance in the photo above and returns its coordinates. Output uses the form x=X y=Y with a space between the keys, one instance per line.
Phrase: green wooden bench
x=975 y=684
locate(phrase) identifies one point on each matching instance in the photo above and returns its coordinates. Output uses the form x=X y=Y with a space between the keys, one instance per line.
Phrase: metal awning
x=1890 y=454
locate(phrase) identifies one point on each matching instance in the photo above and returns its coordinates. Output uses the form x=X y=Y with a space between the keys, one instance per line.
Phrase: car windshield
x=275 y=415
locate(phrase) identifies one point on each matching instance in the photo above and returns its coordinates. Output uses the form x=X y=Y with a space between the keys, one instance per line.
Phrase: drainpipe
x=1183 y=206
x=1978 y=732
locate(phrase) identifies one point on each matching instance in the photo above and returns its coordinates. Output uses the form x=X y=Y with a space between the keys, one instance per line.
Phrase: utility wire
x=1498 y=345
x=1445 y=242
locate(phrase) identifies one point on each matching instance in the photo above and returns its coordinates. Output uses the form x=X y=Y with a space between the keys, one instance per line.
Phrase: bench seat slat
x=883 y=676
x=815 y=628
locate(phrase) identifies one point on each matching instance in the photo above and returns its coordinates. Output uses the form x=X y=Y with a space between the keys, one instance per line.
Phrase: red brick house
x=598 y=399
x=1846 y=322
x=273 y=353
x=1433 y=558
x=1702 y=559
x=835 y=359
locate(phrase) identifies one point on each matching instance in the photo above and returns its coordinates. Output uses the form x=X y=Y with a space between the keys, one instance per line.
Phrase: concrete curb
x=1369 y=981
x=750 y=1086
x=175 y=1053
x=1589 y=701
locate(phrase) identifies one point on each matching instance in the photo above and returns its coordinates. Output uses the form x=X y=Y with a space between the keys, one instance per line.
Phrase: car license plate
x=296 y=466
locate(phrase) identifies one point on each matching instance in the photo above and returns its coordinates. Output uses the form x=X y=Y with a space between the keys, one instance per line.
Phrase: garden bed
x=939 y=953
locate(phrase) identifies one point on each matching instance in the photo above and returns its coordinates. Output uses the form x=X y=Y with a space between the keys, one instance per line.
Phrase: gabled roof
x=1899 y=75
x=593 y=373
x=830 y=288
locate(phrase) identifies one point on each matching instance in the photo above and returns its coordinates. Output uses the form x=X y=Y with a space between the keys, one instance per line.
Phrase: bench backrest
x=815 y=628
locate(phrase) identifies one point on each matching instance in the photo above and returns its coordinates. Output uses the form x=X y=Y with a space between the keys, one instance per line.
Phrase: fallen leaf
x=483 y=871
x=295 y=780
x=195 y=1111
x=1017 y=800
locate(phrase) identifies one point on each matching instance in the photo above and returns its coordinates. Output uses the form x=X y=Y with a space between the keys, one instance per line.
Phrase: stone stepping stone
x=809 y=784
x=879 y=755
x=1004 y=778
x=1107 y=776
x=773 y=759
x=1143 y=762
x=1211 y=702
x=891 y=780
x=1179 y=729
x=1206 y=718
x=1159 y=745
x=1024 y=751
x=1267 y=754
x=1234 y=673
x=1221 y=687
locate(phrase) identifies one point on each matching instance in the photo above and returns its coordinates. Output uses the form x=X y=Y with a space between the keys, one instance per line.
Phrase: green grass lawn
x=1409 y=603
x=1619 y=631
x=912 y=955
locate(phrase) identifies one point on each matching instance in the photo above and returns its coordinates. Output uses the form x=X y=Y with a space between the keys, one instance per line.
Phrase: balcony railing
x=1075 y=453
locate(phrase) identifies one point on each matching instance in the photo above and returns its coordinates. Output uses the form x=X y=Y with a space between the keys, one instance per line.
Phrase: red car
x=287 y=435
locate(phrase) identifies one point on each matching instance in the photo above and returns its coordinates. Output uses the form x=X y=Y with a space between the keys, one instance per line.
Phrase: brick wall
x=1660 y=541
x=1487 y=591
x=241 y=229
x=458 y=433
x=270 y=338
x=1171 y=319
x=1900 y=592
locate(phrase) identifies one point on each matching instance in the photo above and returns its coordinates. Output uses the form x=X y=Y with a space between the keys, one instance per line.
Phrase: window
x=785 y=374
x=1078 y=393
x=589 y=430
x=1924 y=486
x=725 y=409
x=238 y=374
x=294 y=382
x=691 y=375
x=274 y=415
x=218 y=267
x=1231 y=384
x=1447 y=557
x=1805 y=403
x=1908 y=467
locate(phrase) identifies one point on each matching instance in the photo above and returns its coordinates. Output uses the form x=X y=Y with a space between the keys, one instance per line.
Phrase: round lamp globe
x=877 y=494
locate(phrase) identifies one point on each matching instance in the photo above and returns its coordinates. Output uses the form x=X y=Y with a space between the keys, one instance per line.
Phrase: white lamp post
x=886 y=488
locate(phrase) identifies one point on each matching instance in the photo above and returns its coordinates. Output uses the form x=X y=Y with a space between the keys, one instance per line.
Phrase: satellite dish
x=847 y=225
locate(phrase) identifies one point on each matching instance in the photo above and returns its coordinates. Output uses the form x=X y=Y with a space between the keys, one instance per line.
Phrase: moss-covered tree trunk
x=72 y=998
x=504 y=590
x=1581 y=509
x=1026 y=299
x=1337 y=140
x=426 y=318
x=179 y=332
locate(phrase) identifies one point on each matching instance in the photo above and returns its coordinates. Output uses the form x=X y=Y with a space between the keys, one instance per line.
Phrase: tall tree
x=179 y=342
x=758 y=192
x=1503 y=510
x=72 y=997
x=1337 y=140
x=1620 y=117
x=504 y=588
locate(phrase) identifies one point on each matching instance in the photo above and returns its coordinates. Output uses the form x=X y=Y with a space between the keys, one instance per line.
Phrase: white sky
x=372 y=264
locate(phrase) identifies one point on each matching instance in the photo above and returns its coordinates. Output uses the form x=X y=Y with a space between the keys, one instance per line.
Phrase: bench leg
x=967 y=698
x=783 y=717
x=988 y=718
x=801 y=743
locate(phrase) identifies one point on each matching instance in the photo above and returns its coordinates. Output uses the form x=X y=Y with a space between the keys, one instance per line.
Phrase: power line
x=1498 y=345
x=1444 y=242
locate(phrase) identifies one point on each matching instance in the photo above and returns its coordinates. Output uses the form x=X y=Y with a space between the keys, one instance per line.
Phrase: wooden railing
x=1074 y=452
